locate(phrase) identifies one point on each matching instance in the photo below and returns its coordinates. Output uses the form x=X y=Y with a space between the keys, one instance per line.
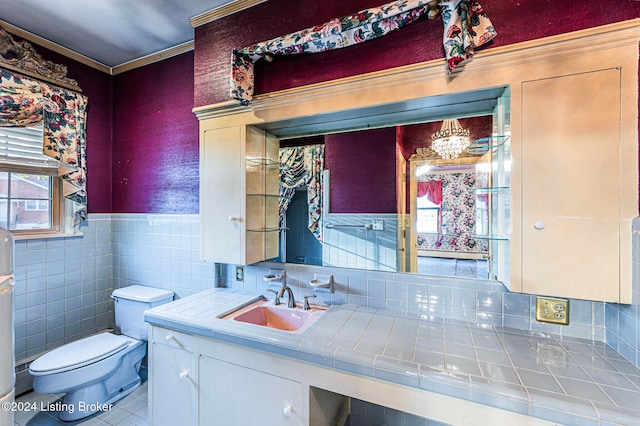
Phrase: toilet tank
x=131 y=302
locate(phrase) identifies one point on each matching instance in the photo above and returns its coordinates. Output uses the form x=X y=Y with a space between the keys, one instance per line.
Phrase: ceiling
x=110 y=32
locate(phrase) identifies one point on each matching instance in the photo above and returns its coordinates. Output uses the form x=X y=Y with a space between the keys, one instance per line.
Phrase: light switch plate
x=552 y=310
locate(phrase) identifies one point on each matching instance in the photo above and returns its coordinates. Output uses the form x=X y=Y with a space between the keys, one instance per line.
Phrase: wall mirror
x=384 y=200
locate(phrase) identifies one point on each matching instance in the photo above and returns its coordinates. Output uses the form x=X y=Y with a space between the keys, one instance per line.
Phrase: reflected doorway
x=301 y=246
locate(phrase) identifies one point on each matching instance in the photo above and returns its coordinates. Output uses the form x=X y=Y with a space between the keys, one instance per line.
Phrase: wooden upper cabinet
x=238 y=194
x=571 y=187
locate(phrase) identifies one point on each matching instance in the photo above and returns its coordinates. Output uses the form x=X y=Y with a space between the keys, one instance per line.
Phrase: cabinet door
x=173 y=386
x=222 y=196
x=571 y=186
x=234 y=395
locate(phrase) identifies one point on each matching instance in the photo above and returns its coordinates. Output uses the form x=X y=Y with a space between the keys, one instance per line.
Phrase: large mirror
x=365 y=188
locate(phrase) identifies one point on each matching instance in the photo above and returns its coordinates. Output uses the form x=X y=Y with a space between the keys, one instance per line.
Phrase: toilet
x=98 y=370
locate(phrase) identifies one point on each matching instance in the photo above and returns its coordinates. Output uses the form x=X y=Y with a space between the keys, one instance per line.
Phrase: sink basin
x=263 y=313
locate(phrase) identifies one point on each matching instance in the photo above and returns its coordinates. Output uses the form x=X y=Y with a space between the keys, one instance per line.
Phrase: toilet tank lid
x=141 y=293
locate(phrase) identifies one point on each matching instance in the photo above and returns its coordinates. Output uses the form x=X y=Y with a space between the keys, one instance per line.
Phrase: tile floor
x=129 y=411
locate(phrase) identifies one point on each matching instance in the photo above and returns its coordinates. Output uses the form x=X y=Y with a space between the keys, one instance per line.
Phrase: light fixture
x=451 y=140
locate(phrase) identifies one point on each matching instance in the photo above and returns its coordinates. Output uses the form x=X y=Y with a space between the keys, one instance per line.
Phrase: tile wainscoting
x=472 y=300
x=623 y=321
x=63 y=286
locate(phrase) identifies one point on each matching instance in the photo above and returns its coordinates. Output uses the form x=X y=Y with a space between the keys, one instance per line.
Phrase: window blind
x=21 y=148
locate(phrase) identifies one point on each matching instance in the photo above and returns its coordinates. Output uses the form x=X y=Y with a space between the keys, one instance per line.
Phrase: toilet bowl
x=98 y=370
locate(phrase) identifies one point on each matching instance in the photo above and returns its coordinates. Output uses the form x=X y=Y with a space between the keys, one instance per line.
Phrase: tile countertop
x=560 y=379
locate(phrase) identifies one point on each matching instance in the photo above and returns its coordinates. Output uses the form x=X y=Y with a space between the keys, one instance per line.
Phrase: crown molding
x=222 y=11
x=40 y=41
x=154 y=57
x=127 y=66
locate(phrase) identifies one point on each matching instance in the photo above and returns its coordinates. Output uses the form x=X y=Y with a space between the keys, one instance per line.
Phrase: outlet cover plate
x=239 y=273
x=552 y=310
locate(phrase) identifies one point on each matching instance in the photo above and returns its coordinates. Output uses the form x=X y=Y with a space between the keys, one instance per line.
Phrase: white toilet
x=98 y=370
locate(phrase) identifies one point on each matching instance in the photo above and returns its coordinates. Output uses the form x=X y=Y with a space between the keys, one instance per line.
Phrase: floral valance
x=466 y=26
x=300 y=166
x=28 y=102
x=432 y=189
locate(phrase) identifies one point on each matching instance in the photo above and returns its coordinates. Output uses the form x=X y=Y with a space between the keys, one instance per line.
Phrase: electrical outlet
x=552 y=310
x=377 y=225
x=239 y=273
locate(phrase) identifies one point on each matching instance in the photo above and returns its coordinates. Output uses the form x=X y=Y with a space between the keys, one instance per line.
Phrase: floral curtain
x=292 y=175
x=28 y=102
x=299 y=166
x=466 y=26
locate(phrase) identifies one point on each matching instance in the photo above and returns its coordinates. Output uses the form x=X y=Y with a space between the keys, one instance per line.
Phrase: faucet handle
x=305 y=304
x=276 y=300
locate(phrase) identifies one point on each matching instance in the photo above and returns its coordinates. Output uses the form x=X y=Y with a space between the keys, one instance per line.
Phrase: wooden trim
x=222 y=11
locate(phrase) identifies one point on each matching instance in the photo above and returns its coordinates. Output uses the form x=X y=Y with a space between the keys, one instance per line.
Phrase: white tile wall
x=63 y=286
x=160 y=251
x=446 y=298
x=623 y=321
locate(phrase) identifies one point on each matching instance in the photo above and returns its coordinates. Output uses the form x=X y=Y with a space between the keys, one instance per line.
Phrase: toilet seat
x=79 y=354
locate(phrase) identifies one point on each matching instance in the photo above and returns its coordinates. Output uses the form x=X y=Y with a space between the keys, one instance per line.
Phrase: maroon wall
x=97 y=86
x=414 y=136
x=142 y=138
x=515 y=21
x=155 y=139
x=363 y=171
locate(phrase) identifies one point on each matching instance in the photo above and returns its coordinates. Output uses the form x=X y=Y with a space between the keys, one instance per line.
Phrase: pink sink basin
x=268 y=316
x=264 y=314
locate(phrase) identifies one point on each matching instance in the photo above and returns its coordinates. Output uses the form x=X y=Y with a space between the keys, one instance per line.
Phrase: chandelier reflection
x=451 y=140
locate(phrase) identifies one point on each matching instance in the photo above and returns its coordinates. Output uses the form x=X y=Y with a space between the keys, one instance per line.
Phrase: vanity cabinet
x=575 y=239
x=236 y=385
x=245 y=396
x=239 y=194
x=201 y=381
x=173 y=378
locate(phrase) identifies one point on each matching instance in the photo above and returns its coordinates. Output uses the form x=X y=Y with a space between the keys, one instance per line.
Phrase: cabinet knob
x=234 y=219
x=287 y=410
x=170 y=338
x=538 y=224
x=184 y=375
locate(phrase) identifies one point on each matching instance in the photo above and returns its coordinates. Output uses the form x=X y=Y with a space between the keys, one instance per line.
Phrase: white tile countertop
x=560 y=379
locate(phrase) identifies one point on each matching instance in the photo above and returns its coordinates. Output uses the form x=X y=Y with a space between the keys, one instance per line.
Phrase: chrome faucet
x=291 y=303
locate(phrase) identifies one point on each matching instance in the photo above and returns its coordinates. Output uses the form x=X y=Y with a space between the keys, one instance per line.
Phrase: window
x=38 y=205
x=31 y=202
x=427 y=216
